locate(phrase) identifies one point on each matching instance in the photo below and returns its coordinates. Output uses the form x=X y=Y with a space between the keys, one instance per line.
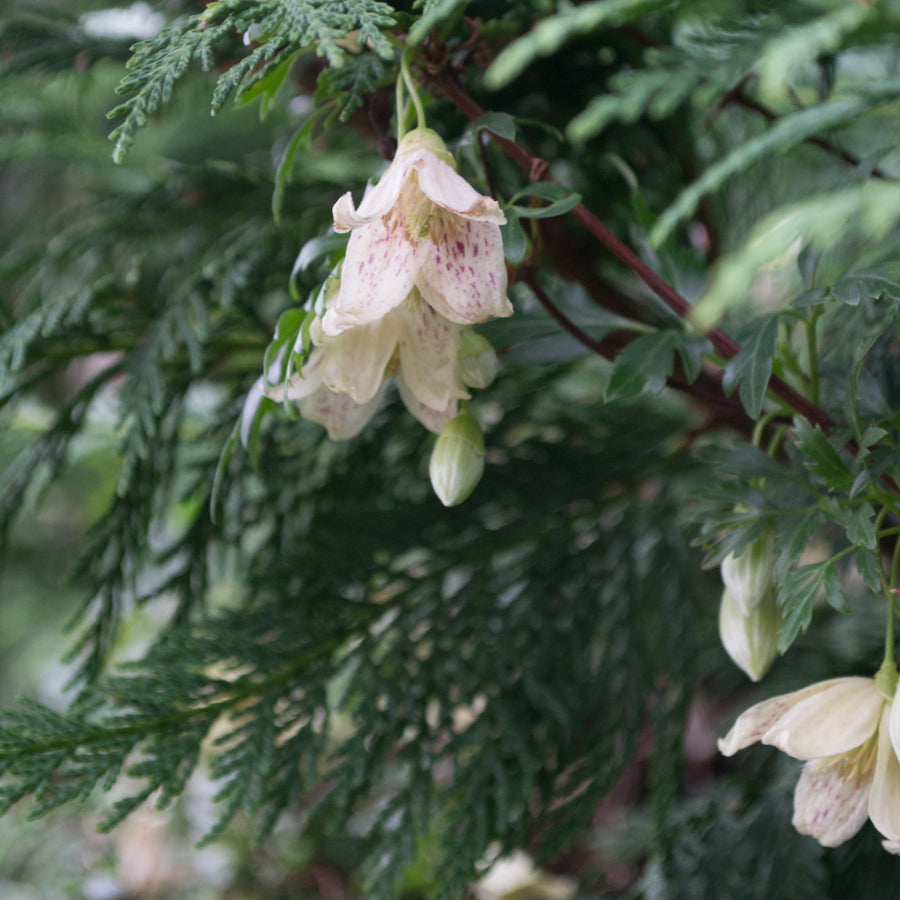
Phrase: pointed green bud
x=750 y=640
x=749 y=576
x=478 y=362
x=457 y=460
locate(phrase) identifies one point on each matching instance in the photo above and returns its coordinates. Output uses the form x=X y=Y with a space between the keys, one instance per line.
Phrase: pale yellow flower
x=840 y=729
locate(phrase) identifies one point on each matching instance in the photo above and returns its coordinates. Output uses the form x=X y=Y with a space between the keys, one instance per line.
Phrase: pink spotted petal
x=433 y=419
x=429 y=348
x=464 y=276
x=829 y=722
x=341 y=416
x=884 y=801
x=378 y=201
x=440 y=183
x=379 y=271
x=828 y=808
x=355 y=360
x=752 y=724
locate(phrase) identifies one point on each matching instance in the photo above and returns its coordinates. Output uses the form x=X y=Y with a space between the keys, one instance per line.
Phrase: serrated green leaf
x=861 y=527
x=645 y=363
x=868 y=564
x=794 y=534
x=822 y=459
x=752 y=367
x=797 y=596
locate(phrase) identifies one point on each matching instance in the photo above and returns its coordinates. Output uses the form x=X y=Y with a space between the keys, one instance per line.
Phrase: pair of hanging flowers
x=424 y=262
x=845 y=730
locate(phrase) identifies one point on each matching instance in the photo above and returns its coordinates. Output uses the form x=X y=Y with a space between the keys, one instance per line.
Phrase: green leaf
x=515 y=243
x=224 y=458
x=255 y=407
x=562 y=200
x=499 y=123
x=752 y=367
x=794 y=534
x=868 y=564
x=861 y=527
x=645 y=363
x=798 y=593
x=822 y=459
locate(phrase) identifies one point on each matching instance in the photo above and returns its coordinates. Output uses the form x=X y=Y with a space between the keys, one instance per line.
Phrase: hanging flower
x=344 y=379
x=421 y=226
x=840 y=728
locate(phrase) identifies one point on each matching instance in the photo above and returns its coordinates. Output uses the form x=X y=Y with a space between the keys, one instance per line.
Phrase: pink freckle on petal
x=474 y=249
x=371 y=258
x=460 y=247
x=359 y=267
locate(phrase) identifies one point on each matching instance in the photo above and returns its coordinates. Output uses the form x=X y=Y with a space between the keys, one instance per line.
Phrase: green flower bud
x=749 y=576
x=426 y=139
x=457 y=460
x=750 y=640
x=477 y=360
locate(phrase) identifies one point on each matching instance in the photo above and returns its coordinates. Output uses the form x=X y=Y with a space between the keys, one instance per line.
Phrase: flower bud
x=750 y=640
x=457 y=460
x=478 y=362
x=749 y=576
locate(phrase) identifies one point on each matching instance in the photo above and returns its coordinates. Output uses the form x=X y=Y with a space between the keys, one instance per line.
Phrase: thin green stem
x=812 y=345
x=401 y=111
x=777 y=438
x=760 y=426
x=413 y=93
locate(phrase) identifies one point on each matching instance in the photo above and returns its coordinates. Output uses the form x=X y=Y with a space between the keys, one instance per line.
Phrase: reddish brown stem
x=537 y=171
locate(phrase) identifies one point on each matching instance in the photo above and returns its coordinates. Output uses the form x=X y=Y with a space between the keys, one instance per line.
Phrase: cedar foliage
x=486 y=673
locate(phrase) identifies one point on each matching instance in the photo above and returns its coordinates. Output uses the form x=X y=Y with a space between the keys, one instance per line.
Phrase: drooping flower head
x=421 y=226
x=840 y=728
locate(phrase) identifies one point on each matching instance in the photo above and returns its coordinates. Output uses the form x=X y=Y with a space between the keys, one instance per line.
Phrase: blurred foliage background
x=378 y=692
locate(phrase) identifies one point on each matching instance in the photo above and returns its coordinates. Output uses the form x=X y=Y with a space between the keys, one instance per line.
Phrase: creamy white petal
x=379 y=271
x=826 y=807
x=378 y=200
x=356 y=359
x=429 y=348
x=894 y=723
x=433 y=419
x=341 y=416
x=884 y=800
x=891 y=847
x=752 y=724
x=440 y=183
x=464 y=276
x=829 y=722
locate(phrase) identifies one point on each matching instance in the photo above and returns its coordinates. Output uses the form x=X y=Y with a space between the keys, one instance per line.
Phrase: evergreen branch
x=279 y=28
x=788 y=132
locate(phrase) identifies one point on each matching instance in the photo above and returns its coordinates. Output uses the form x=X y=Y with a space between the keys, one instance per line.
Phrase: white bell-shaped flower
x=421 y=226
x=841 y=729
